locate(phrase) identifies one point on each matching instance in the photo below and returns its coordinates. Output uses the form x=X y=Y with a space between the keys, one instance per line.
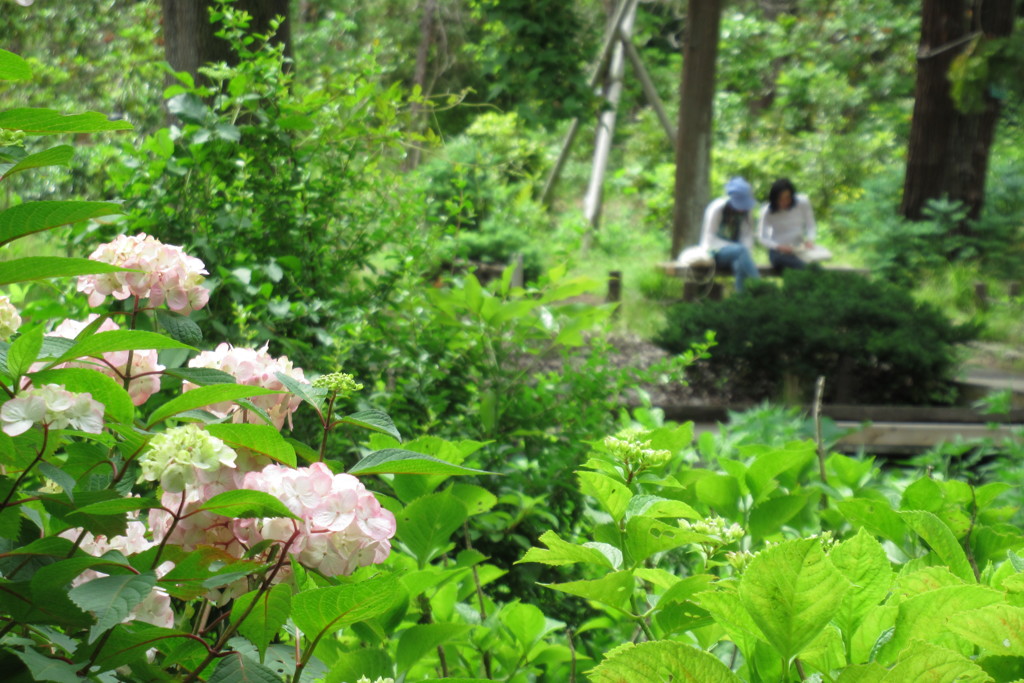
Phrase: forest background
x=338 y=177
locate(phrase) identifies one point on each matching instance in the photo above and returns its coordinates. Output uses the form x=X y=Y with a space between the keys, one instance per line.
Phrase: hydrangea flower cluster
x=10 y=320
x=254 y=367
x=167 y=274
x=53 y=406
x=155 y=608
x=338 y=383
x=630 y=448
x=185 y=456
x=145 y=381
x=343 y=525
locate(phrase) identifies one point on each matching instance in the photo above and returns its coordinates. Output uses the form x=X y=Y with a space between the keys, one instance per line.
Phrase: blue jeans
x=782 y=261
x=736 y=257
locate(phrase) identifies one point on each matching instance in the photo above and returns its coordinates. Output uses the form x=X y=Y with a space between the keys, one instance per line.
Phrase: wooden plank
x=854 y=413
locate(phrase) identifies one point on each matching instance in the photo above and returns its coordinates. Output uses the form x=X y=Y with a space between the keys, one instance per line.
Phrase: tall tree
x=190 y=40
x=949 y=144
x=696 y=105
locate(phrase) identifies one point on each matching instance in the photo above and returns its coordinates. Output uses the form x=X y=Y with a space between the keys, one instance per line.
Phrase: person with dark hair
x=727 y=232
x=787 y=226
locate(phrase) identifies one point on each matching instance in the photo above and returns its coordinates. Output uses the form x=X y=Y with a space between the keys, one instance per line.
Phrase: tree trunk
x=419 y=76
x=189 y=40
x=949 y=149
x=696 y=104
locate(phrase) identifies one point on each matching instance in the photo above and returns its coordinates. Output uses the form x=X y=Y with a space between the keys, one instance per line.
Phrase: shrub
x=871 y=339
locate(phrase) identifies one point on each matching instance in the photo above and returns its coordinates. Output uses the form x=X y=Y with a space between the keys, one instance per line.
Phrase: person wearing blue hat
x=728 y=233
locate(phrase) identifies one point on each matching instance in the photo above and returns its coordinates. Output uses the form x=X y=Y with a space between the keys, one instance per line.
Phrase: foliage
x=872 y=341
x=784 y=568
x=285 y=188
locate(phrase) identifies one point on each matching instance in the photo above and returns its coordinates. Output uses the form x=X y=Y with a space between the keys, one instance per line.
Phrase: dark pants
x=782 y=261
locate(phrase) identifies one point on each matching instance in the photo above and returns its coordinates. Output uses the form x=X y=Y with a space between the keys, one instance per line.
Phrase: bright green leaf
x=49 y=122
x=937 y=535
x=613 y=590
x=108 y=391
x=421 y=639
x=262 y=624
x=791 y=591
x=24 y=351
x=33 y=268
x=662 y=660
x=425 y=526
x=119 y=340
x=375 y=420
x=204 y=396
x=999 y=629
x=560 y=553
x=325 y=610
x=258 y=438
x=613 y=496
x=399 y=461
x=55 y=156
x=13 y=67
x=924 y=661
x=32 y=217
x=247 y=504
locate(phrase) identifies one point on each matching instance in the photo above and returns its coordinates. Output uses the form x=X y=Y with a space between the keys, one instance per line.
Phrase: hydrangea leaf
x=613 y=590
x=559 y=553
x=50 y=122
x=247 y=504
x=662 y=660
x=119 y=340
x=425 y=526
x=862 y=560
x=938 y=536
x=55 y=156
x=375 y=420
x=421 y=639
x=33 y=268
x=400 y=461
x=32 y=217
x=180 y=327
x=997 y=628
x=237 y=668
x=325 y=610
x=923 y=661
x=112 y=598
x=258 y=438
x=262 y=624
x=204 y=396
x=44 y=668
x=13 y=67
x=791 y=591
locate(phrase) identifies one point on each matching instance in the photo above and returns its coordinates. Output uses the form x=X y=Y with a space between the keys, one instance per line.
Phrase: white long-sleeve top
x=791 y=227
x=709 y=238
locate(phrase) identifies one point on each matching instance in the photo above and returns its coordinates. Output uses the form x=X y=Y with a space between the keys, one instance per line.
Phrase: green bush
x=870 y=339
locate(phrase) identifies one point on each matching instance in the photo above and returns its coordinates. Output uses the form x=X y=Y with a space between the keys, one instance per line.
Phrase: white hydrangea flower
x=175 y=457
x=10 y=320
x=53 y=406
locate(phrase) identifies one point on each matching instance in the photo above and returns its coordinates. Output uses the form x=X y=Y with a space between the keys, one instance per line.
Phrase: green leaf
x=926 y=617
x=55 y=156
x=202 y=376
x=204 y=396
x=112 y=598
x=24 y=351
x=477 y=499
x=997 y=628
x=267 y=617
x=375 y=420
x=399 y=461
x=791 y=591
x=937 y=535
x=49 y=122
x=116 y=401
x=769 y=465
x=180 y=327
x=928 y=662
x=613 y=590
x=720 y=492
x=425 y=526
x=237 y=668
x=612 y=495
x=422 y=639
x=662 y=660
x=560 y=553
x=33 y=268
x=862 y=560
x=44 y=668
x=32 y=217
x=118 y=506
x=262 y=439
x=314 y=396
x=770 y=515
x=247 y=504
x=13 y=67
x=877 y=516
x=325 y=610
x=119 y=340
x=655 y=506
x=646 y=536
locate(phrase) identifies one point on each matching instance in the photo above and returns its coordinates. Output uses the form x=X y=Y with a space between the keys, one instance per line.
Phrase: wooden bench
x=702 y=282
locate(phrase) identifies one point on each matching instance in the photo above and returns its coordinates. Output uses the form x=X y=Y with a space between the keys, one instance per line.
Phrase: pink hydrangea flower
x=168 y=274
x=144 y=383
x=342 y=526
x=254 y=367
x=155 y=608
x=54 y=406
x=196 y=529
